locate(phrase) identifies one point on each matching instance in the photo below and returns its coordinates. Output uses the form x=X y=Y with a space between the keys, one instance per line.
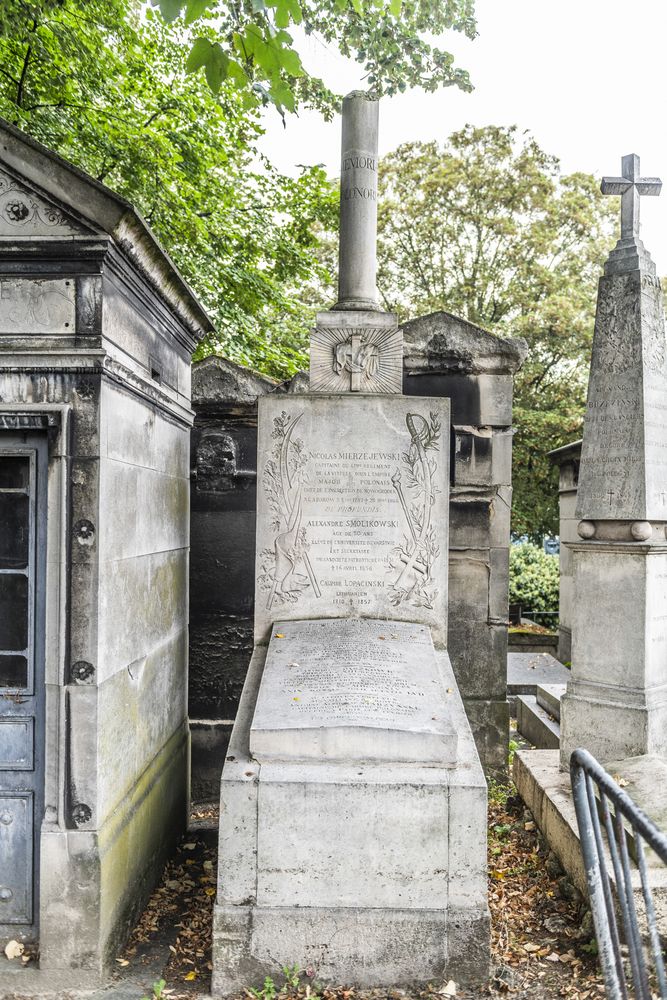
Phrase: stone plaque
x=356 y=352
x=352 y=690
x=352 y=509
x=33 y=306
x=623 y=472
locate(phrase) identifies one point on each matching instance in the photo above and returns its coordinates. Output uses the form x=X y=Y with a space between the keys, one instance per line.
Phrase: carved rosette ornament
x=25 y=214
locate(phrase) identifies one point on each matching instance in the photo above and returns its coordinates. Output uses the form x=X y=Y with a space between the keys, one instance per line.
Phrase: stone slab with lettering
x=357 y=689
x=352 y=509
x=356 y=352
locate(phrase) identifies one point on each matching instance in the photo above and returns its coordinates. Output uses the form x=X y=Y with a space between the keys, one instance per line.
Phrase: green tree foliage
x=488 y=228
x=534 y=578
x=247 y=44
x=107 y=89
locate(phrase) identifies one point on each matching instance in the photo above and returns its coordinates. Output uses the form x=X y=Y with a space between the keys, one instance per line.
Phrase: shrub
x=534 y=578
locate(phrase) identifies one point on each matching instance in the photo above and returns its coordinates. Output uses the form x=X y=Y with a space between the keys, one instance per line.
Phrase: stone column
x=357 y=261
x=616 y=702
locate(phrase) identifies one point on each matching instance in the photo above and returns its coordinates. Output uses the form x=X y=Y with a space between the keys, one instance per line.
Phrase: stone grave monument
x=97 y=329
x=353 y=803
x=616 y=703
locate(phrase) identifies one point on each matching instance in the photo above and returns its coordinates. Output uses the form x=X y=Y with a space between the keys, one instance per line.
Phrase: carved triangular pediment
x=24 y=212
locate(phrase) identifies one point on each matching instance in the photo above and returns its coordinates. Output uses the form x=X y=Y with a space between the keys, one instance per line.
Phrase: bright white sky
x=587 y=77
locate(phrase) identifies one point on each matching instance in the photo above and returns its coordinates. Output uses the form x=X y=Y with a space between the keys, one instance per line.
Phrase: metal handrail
x=592 y=818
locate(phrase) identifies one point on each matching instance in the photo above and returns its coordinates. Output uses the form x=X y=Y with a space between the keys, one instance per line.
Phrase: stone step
x=535 y=724
x=549 y=696
x=545 y=789
x=525 y=671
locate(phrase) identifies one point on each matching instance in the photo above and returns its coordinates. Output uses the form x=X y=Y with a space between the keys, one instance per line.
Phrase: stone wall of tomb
x=96 y=342
x=567 y=459
x=443 y=356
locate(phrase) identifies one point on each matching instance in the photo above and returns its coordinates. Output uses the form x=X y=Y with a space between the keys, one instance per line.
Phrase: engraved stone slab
x=356 y=352
x=352 y=509
x=352 y=690
x=30 y=306
x=623 y=473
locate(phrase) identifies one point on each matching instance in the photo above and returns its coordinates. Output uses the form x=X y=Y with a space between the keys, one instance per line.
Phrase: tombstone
x=443 y=355
x=616 y=702
x=96 y=334
x=353 y=803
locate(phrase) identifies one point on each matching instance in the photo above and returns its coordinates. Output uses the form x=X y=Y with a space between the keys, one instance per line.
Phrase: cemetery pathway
x=541 y=931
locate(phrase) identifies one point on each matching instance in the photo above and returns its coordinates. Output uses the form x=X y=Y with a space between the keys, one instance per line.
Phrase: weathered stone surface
x=97 y=370
x=447 y=344
x=481 y=462
x=356 y=352
x=527 y=671
x=535 y=724
x=546 y=790
x=623 y=471
x=217 y=381
x=348 y=856
x=37 y=306
x=489 y=720
x=343 y=526
x=357 y=257
x=549 y=698
x=352 y=690
x=616 y=699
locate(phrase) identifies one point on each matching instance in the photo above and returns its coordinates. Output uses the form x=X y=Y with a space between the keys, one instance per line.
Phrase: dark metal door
x=23 y=470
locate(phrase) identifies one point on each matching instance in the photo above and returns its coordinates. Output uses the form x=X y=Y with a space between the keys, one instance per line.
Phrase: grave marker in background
x=616 y=703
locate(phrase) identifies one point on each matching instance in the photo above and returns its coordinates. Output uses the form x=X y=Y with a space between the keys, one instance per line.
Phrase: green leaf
x=170 y=9
x=395 y=7
x=283 y=96
x=282 y=14
x=195 y=9
x=290 y=62
x=295 y=11
x=358 y=6
x=258 y=5
x=199 y=55
x=216 y=67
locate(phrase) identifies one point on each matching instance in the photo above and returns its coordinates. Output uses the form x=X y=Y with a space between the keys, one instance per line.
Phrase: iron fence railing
x=630 y=950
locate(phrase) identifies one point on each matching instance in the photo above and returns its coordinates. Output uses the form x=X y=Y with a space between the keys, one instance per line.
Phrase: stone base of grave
x=370 y=874
x=546 y=790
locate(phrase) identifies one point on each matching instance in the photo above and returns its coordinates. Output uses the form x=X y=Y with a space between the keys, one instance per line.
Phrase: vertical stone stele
x=616 y=703
x=352 y=803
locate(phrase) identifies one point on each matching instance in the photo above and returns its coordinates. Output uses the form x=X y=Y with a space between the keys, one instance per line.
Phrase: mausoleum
x=97 y=329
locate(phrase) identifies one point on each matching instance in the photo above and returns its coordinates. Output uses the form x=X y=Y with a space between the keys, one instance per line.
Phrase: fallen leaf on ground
x=14 y=949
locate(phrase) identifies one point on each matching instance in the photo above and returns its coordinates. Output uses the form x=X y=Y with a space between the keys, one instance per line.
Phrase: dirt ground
x=542 y=935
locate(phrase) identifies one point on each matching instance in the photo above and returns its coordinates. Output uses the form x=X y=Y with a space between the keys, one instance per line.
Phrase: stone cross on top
x=630 y=187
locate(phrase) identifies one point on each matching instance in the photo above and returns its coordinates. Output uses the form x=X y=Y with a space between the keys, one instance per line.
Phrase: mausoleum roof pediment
x=44 y=197
x=24 y=214
x=218 y=380
x=452 y=344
